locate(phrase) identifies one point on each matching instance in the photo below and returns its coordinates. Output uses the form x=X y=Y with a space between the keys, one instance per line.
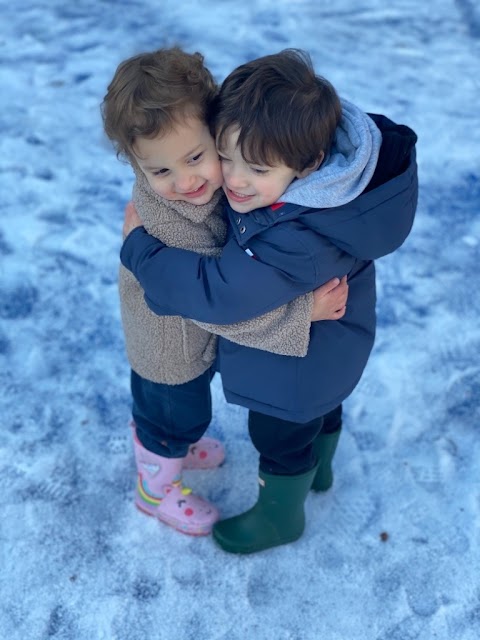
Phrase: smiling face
x=182 y=164
x=251 y=186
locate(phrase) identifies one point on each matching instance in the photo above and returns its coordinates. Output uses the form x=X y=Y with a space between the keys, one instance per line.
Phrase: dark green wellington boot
x=277 y=518
x=324 y=447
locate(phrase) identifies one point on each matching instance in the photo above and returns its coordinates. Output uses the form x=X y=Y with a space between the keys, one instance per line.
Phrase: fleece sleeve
x=285 y=331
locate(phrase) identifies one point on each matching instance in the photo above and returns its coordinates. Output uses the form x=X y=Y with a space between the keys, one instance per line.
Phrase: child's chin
x=204 y=199
x=239 y=208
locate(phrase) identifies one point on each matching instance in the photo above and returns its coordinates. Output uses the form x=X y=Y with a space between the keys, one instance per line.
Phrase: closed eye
x=160 y=172
x=196 y=158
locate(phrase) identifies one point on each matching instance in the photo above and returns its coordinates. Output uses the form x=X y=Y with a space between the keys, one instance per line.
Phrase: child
x=155 y=112
x=337 y=189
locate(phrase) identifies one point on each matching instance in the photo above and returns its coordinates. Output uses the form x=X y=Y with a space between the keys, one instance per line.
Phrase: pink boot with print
x=160 y=493
x=207 y=453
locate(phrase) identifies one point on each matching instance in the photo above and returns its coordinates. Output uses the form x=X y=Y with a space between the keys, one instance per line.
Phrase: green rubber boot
x=324 y=448
x=277 y=518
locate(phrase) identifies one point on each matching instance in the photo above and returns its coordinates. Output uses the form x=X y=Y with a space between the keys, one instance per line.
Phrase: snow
x=77 y=560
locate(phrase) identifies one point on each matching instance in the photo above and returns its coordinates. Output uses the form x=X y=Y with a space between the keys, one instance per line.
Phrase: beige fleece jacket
x=174 y=350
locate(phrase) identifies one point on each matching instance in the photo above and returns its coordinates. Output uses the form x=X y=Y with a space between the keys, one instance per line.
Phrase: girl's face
x=182 y=164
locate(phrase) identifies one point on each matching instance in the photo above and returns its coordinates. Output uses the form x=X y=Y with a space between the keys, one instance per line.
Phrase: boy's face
x=251 y=186
x=182 y=164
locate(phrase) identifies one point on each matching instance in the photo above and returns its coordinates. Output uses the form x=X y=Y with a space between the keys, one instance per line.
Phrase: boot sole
x=321 y=489
x=174 y=525
x=206 y=468
x=253 y=549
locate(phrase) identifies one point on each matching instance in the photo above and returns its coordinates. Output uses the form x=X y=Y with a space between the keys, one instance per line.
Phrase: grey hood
x=347 y=170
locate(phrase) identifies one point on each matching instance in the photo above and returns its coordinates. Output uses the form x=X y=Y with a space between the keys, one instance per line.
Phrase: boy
x=351 y=194
x=155 y=112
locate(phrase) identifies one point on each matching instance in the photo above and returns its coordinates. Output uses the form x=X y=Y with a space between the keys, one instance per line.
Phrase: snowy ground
x=78 y=562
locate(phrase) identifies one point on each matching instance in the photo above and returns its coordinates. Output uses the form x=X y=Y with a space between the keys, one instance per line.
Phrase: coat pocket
x=198 y=344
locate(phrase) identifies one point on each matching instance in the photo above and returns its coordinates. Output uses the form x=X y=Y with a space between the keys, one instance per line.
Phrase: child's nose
x=235 y=178
x=185 y=183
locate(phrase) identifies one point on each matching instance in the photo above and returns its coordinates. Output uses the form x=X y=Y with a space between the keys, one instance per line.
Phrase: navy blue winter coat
x=295 y=250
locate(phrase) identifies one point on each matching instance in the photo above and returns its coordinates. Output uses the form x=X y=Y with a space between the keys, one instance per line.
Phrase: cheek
x=164 y=192
x=220 y=178
x=161 y=188
x=270 y=194
x=278 y=188
x=224 y=170
x=216 y=172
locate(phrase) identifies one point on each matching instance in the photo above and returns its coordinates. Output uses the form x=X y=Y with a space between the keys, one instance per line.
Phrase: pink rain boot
x=207 y=453
x=160 y=493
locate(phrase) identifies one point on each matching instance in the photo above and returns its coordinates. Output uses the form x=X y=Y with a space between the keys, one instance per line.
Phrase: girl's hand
x=329 y=300
x=131 y=220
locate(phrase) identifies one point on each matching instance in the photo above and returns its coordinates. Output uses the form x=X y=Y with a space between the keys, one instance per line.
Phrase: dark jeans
x=169 y=418
x=286 y=448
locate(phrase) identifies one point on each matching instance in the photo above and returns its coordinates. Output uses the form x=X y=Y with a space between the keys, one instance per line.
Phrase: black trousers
x=286 y=448
x=169 y=418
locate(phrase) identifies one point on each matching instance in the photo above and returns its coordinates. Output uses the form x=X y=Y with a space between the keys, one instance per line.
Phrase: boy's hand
x=131 y=220
x=329 y=300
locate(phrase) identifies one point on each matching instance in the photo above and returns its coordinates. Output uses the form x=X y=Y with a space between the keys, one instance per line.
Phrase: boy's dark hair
x=152 y=92
x=285 y=112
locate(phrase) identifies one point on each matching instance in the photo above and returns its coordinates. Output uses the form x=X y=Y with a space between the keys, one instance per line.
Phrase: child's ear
x=312 y=167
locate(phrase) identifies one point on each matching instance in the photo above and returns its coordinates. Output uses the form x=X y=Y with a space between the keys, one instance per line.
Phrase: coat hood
x=346 y=171
x=379 y=220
